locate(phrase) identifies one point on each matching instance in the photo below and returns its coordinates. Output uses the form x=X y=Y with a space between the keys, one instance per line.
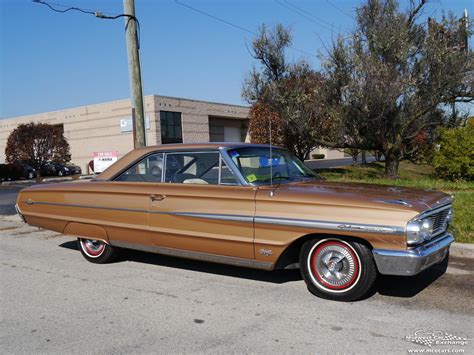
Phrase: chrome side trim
x=222 y=217
x=84 y=206
x=412 y=261
x=221 y=259
x=301 y=223
x=329 y=225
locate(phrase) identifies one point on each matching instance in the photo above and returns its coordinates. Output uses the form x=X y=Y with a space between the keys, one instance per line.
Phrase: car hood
x=363 y=195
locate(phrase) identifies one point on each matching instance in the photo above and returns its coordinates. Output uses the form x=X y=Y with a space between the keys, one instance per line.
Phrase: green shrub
x=455 y=158
x=317 y=156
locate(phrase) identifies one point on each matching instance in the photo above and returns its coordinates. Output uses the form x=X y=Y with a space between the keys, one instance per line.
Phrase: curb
x=86 y=177
x=53 y=179
x=462 y=250
x=57 y=179
x=18 y=182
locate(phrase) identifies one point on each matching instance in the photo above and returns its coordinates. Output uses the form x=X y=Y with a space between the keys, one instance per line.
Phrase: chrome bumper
x=19 y=213
x=412 y=261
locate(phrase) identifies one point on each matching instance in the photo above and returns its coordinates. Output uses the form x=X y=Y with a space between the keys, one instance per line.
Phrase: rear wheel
x=336 y=269
x=96 y=251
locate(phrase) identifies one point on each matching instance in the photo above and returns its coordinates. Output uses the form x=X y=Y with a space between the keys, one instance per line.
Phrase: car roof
x=137 y=153
x=195 y=146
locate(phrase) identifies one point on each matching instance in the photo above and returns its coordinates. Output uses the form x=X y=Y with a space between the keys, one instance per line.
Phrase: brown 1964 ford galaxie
x=243 y=205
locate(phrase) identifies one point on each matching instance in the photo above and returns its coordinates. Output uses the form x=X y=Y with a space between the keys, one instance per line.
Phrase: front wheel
x=337 y=270
x=96 y=251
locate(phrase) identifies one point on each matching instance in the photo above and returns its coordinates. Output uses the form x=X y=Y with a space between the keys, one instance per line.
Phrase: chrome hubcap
x=335 y=265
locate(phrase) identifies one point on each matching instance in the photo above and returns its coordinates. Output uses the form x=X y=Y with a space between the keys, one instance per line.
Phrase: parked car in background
x=17 y=170
x=59 y=169
x=251 y=206
x=3 y=172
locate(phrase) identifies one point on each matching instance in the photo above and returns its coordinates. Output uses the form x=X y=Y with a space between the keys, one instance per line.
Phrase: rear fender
x=88 y=231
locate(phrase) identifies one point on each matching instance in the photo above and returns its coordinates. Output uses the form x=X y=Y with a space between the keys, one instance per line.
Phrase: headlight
x=66 y=169
x=419 y=230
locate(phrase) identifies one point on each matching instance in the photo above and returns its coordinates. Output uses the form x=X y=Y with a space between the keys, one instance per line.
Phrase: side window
x=197 y=168
x=148 y=169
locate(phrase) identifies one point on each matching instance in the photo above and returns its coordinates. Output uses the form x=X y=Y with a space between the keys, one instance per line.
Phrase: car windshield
x=256 y=165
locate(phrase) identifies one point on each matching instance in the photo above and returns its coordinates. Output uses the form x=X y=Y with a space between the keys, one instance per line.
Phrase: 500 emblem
x=266 y=252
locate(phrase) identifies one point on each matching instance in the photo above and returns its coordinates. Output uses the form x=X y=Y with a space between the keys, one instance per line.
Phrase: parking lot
x=55 y=301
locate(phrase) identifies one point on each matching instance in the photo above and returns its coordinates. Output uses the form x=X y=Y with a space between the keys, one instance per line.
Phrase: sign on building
x=126 y=124
x=102 y=160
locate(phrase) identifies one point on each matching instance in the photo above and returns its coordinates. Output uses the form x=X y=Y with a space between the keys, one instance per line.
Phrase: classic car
x=251 y=206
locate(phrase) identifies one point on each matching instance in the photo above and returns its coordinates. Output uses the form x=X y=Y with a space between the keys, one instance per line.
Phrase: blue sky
x=51 y=61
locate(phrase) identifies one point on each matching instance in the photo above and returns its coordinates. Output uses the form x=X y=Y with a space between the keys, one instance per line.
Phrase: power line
x=97 y=14
x=305 y=14
x=341 y=10
x=68 y=6
x=233 y=24
x=216 y=18
x=71 y=8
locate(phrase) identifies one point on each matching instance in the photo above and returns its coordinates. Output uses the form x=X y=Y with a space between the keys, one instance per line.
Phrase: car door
x=200 y=207
x=131 y=192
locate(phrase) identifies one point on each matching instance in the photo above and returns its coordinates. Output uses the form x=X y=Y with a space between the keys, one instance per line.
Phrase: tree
x=454 y=160
x=37 y=143
x=388 y=85
x=262 y=117
x=287 y=93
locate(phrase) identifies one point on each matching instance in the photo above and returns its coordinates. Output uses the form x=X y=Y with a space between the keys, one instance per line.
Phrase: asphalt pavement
x=8 y=195
x=54 y=301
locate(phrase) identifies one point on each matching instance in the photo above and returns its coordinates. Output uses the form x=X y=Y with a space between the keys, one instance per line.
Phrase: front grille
x=439 y=219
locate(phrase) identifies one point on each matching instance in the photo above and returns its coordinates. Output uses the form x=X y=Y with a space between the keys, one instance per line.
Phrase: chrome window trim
x=230 y=164
x=291 y=222
x=219 y=173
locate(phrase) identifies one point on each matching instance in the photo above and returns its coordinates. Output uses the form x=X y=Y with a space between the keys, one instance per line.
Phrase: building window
x=171 y=130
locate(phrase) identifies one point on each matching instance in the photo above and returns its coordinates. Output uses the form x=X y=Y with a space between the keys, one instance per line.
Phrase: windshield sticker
x=234 y=154
x=251 y=178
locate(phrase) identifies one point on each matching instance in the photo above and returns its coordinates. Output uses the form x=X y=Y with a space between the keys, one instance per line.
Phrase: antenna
x=271 y=156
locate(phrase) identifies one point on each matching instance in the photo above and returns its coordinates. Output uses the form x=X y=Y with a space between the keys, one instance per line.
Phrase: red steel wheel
x=93 y=248
x=339 y=269
x=334 y=265
x=97 y=251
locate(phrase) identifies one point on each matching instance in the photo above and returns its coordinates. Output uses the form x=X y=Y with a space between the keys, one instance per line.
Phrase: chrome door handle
x=157 y=197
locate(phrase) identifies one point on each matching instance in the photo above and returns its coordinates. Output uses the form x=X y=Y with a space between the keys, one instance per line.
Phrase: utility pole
x=138 y=114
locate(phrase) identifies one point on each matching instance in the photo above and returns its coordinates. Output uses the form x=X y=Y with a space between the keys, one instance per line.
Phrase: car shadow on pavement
x=394 y=286
x=276 y=276
x=405 y=287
